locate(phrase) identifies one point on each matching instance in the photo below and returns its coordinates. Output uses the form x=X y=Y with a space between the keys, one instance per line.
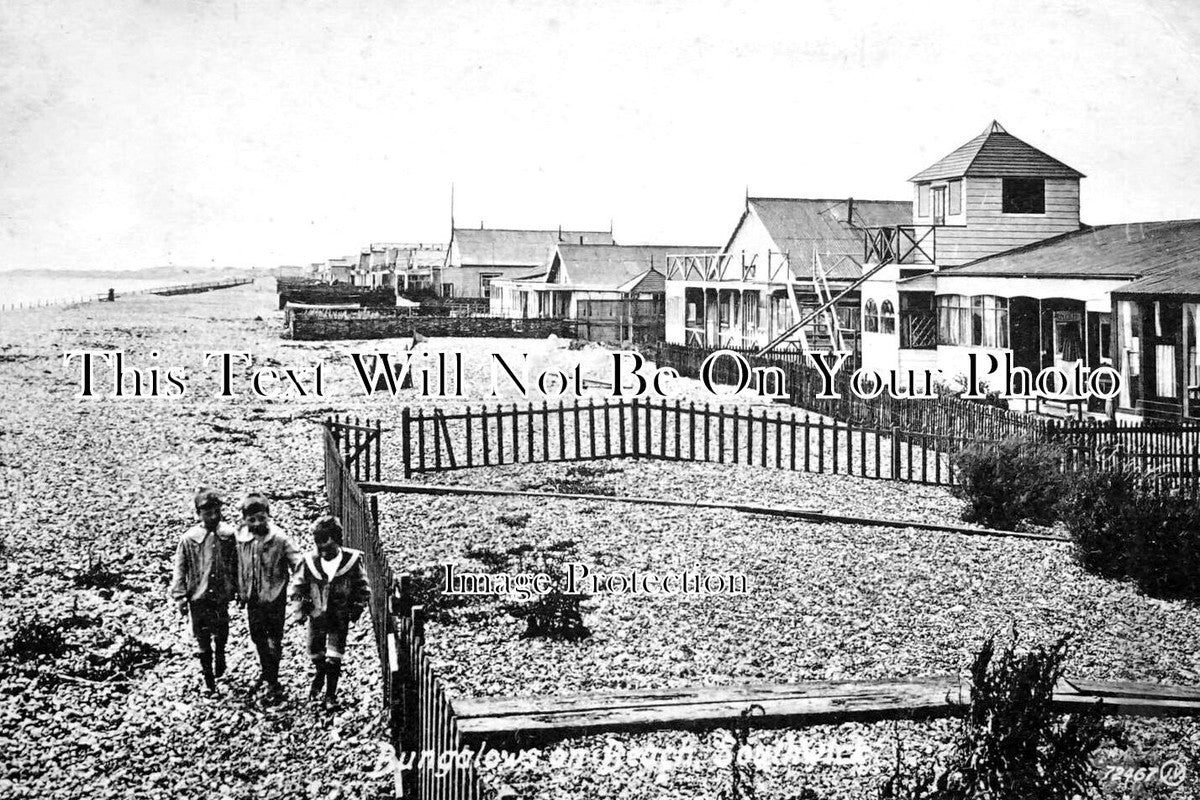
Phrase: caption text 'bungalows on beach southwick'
x=988 y=258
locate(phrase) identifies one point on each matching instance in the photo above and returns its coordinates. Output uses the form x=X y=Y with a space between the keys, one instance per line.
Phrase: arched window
x=887 y=317
x=870 y=317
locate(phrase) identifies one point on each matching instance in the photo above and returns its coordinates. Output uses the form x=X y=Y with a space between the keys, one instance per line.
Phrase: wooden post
x=406 y=427
x=895 y=453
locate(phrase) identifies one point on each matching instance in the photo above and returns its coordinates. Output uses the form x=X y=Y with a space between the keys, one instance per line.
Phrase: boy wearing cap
x=266 y=558
x=332 y=591
x=204 y=580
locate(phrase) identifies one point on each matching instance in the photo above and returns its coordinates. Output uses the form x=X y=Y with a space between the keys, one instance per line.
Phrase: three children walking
x=255 y=565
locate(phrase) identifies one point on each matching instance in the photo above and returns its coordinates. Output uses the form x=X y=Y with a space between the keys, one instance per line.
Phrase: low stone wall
x=375 y=323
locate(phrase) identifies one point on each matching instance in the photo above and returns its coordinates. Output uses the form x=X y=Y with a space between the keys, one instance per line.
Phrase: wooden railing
x=421 y=722
x=435 y=441
x=900 y=244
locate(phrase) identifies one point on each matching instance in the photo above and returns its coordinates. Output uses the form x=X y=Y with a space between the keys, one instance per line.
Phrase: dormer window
x=1023 y=196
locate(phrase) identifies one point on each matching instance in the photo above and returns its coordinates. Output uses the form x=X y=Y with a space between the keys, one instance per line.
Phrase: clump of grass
x=130 y=657
x=513 y=520
x=98 y=576
x=37 y=639
x=555 y=614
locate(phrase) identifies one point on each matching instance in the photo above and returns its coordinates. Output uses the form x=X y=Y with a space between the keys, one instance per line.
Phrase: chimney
x=850 y=210
x=581 y=239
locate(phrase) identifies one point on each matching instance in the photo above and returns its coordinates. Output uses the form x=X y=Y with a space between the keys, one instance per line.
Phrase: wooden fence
x=387 y=323
x=423 y=727
x=436 y=441
x=943 y=416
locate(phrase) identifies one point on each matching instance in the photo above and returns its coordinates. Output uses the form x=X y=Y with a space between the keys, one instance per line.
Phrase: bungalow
x=785 y=256
x=1109 y=295
x=1157 y=342
x=477 y=256
x=1010 y=272
x=616 y=292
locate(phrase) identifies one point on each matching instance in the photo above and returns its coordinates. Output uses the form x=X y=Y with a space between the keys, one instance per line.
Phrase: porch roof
x=1182 y=280
x=1130 y=250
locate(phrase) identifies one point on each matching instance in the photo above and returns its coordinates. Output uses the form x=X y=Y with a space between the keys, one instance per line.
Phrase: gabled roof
x=616 y=267
x=1129 y=250
x=833 y=226
x=996 y=153
x=496 y=247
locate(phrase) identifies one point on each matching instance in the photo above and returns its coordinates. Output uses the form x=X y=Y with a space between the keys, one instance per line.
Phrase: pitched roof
x=797 y=224
x=613 y=266
x=496 y=247
x=1129 y=250
x=996 y=153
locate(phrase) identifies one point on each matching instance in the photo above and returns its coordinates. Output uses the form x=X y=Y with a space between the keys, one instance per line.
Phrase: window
x=923 y=200
x=887 y=317
x=1023 y=196
x=871 y=317
x=485 y=283
x=980 y=321
x=955 y=197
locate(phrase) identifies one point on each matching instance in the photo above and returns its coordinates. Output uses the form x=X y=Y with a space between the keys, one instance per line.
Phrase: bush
x=1124 y=527
x=556 y=614
x=1009 y=482
x=1013 y=744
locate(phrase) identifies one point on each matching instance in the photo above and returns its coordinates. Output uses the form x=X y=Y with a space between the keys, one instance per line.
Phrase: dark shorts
x=327 y=637
x=266 y=619
x=210 y=620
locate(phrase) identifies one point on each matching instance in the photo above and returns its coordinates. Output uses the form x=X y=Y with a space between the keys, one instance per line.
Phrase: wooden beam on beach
x=540 y=721
x=809 y=514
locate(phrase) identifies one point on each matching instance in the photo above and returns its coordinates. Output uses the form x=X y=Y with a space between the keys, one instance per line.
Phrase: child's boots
x=206 y=666
x=318 y=681
x=333 y=672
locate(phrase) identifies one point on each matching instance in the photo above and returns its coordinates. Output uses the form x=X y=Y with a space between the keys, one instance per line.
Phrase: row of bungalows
x=406 y=267
x=989 y=257
x=615 y=293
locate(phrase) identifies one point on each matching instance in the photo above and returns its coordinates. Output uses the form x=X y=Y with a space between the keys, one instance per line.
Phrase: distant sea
x=26 y=286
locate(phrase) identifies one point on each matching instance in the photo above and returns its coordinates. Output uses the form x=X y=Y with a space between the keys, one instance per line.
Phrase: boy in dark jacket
x=266 y=558
x=204 y=580
x=332 y=591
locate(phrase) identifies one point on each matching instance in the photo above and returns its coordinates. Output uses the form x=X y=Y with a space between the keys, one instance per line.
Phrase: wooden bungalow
x=475 y=257
x=615 y=292
x=739 y=296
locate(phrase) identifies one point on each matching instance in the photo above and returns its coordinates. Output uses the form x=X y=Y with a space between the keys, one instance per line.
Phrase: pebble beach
x=97 y=491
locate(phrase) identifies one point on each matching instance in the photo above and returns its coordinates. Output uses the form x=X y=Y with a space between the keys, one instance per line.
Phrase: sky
x=137 y=134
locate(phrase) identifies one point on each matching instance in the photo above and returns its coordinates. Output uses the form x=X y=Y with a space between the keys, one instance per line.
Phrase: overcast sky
x=137 y=134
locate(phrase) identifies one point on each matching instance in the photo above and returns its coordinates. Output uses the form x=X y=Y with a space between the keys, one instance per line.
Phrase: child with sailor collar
x=332 y=590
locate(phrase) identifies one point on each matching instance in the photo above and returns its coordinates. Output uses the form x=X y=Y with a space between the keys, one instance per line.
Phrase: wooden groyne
x=197 y=288
x=112 y=295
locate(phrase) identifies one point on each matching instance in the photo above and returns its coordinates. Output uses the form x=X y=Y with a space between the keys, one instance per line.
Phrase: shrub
x=1013 y=744
x=36 y=639
x=1123 y=526
x=1009 y=482
x=555 y=614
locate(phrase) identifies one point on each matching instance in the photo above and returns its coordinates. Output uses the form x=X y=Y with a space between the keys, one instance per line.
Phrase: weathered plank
x=538 y=721
x=788 y=706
